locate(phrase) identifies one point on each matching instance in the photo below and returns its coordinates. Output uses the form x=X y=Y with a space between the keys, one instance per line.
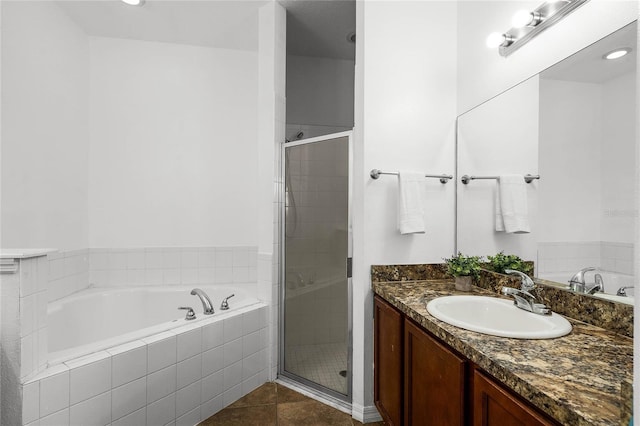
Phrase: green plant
x=461 y=265
x=501 y=261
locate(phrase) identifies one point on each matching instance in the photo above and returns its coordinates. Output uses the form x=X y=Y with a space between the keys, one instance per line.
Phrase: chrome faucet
x=522 y=298
x=577 y=283
x=622 y=291
x=598 y=286
x=225 y=302
x=527 y=301
x=206 y=302
x=526 y=283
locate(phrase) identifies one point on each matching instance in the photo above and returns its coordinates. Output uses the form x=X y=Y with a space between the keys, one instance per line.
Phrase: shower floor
x=321 y=363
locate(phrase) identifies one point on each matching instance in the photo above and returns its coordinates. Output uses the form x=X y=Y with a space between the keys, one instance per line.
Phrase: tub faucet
x=206 y=302
x=598 y=286
x=526 y=283
x=622 y=291
x=577 y=283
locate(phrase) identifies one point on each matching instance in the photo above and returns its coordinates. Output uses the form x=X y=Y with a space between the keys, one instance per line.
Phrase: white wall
x=483 y=73
x=319 y=95
x=173 y=157
x=618 y=160
x=45 y=134
x=498 y=137
x=570 y=169
x=404 y=120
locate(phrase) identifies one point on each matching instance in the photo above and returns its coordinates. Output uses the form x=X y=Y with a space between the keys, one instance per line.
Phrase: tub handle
x=225 y=304
x=190 y=314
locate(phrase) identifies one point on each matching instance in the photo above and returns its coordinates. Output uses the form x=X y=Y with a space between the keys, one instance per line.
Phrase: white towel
x=511 y=205
x=410 y=211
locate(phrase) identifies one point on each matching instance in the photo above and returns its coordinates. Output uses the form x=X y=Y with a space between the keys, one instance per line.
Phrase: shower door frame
x=310 y=386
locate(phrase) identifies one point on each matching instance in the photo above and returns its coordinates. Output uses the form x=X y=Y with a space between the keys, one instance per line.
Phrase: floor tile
x=274 y=404
x=311 y=413
x=287 y=395
x=264 y=395
x=260 y=415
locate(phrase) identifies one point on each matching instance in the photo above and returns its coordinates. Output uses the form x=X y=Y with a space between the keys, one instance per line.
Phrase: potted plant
x=463 y=269
x=501 y=261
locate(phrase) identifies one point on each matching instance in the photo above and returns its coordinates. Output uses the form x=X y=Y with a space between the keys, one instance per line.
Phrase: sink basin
x=497 y=317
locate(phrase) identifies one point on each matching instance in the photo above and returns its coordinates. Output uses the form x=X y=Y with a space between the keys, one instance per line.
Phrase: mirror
x=574 y=126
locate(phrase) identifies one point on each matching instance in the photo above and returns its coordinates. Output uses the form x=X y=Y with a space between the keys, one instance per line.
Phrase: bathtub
x=127 y=355
x=612 y=282
x=100 y=318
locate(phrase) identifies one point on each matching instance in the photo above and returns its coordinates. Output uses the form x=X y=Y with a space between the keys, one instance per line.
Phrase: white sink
x=498 y=317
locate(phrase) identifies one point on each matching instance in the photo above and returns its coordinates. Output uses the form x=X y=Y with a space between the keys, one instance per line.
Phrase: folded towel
x=511 y=205
x=410 y=211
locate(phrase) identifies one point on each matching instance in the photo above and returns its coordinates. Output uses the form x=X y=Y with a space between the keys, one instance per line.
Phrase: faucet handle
x=225 y=304
x=526 y=283
x=190 y=314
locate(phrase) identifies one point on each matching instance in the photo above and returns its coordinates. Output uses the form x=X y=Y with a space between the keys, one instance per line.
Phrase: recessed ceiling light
x=618 y=53
x=133 y=2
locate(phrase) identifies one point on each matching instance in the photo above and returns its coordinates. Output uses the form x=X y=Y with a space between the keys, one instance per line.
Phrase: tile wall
x=23 y=329
x=571 y=257
x=72 y=271
x=177 y=377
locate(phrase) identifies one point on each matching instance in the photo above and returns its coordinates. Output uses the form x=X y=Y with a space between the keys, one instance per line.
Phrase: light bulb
x=618 y=53
x=133 y=2
x=495 y=40
x=522 y=18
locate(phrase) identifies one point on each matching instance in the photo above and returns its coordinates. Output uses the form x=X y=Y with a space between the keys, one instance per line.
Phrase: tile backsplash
x=75 y=270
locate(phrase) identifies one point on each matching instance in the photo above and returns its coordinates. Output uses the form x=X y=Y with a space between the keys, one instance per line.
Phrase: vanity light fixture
x=497 y=40
x=524 y=18
x=133 y=2
x=528 y=24
x=618 y=53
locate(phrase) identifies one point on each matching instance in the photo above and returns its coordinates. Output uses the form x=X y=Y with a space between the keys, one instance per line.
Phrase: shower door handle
x=349 y=267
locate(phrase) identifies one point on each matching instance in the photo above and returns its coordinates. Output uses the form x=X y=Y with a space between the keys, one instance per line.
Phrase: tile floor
x=319 y=363
x=275 y=404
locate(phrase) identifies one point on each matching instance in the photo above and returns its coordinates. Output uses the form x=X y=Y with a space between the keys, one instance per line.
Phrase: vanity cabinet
x=434 y=384
x=419 y=381
x=493 y=405
x=388 y=359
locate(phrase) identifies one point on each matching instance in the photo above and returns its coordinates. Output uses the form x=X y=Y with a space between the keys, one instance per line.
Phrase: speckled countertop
x=576 y=379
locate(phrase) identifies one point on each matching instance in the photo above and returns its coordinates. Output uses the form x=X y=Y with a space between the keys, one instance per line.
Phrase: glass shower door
x=315 y=348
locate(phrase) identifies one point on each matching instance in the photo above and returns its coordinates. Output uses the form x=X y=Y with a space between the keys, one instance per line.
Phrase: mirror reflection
x=574 y=125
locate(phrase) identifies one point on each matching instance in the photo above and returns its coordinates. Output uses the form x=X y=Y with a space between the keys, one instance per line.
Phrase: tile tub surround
x=559 y=376
x=75 y=270
x=184 y=375
x=23 y=325
x=616 y=317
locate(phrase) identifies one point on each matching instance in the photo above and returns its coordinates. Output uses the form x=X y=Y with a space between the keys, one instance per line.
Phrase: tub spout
x=206 y=302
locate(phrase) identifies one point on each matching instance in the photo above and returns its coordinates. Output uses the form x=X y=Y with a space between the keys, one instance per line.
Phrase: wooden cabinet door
x=388 y=371
x=434 y=381
x=495 y=406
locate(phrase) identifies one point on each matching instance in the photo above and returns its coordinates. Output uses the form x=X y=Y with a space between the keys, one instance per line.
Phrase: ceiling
x=315 y=28
x=320 y=28
x=588 y=66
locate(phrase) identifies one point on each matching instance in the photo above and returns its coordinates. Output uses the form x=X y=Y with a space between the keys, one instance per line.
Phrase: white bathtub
x=100 y=318
x=128 y=356
x=612 y=282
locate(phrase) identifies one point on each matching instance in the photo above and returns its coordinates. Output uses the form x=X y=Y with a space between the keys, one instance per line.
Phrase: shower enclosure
x=315 y=315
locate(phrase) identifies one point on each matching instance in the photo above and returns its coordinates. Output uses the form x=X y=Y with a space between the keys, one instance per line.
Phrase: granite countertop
x=576 y=379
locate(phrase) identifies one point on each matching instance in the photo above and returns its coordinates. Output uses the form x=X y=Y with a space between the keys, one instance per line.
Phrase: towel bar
x=466 y=178
x=375 y=174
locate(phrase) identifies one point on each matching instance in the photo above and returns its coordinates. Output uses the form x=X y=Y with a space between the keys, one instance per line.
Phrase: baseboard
x=364 y=414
